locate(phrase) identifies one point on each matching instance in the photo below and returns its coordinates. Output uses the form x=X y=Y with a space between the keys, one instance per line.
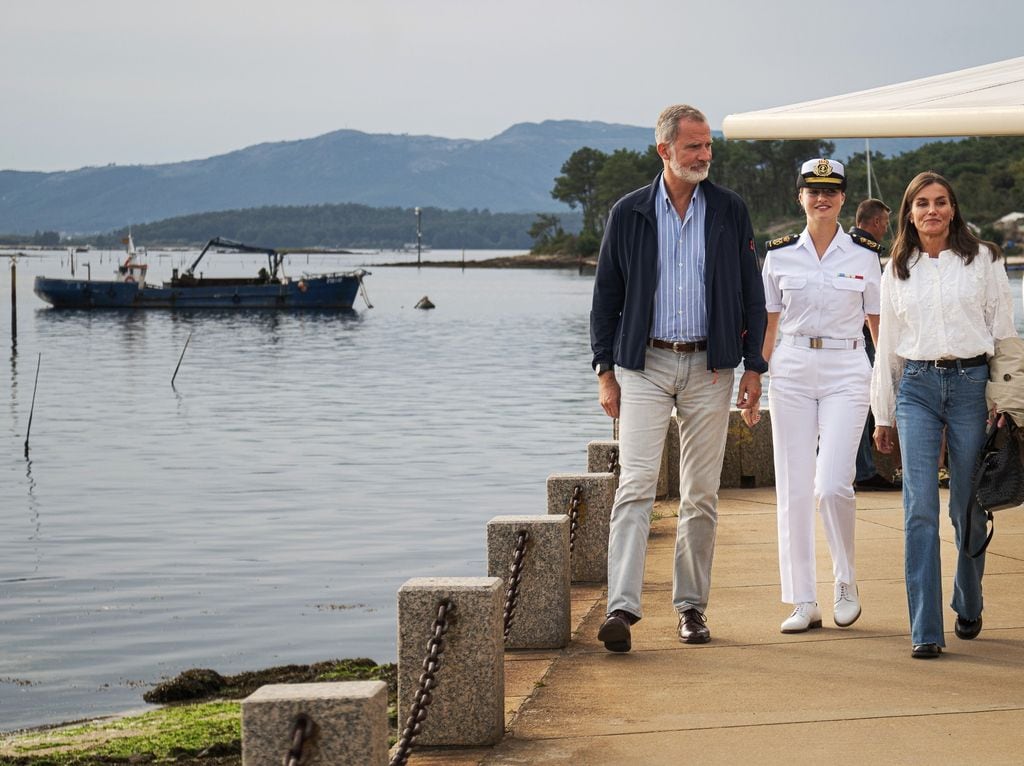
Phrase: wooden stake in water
x=180 y=358
x=14 y=297
x=32 y=409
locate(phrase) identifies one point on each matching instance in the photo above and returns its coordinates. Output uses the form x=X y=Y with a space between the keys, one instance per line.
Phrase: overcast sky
x=89 y=82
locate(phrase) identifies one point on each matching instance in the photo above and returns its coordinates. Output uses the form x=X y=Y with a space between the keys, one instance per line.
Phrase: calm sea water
x=266 y=509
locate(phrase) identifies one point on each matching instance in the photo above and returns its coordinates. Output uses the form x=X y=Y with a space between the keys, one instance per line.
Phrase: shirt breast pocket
x=849 y=295
x=851 y=284
x=792 y=283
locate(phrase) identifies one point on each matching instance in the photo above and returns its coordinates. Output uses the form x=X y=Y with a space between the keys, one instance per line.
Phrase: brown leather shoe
x=614 y=631
x=693 y=627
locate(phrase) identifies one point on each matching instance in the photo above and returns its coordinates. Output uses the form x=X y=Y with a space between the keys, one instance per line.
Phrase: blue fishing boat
x=270 y=289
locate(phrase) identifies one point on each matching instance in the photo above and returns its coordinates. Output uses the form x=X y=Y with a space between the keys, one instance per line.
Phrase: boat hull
x=328 y=291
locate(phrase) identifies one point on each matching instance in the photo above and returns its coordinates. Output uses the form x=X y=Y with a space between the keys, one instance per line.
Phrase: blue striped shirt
x=679 y=308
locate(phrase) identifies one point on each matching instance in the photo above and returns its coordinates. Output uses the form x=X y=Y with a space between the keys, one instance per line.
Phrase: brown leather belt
x=974 y=361
x=680 y=346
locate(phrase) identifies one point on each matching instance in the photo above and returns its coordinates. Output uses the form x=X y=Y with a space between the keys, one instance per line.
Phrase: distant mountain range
x=511 y=172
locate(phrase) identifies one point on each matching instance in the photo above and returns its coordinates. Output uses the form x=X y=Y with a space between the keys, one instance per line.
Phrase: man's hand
x=750 y=390
x=608 y=394
x=884 y=438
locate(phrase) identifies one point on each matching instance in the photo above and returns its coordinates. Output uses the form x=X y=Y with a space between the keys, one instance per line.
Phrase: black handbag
x=998 y=478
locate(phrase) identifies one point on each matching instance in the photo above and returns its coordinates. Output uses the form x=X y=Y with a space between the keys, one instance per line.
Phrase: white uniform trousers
x=818 y=400
x=701 y=400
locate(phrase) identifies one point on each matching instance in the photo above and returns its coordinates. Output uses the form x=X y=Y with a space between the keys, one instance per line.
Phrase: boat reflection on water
x=253 y=326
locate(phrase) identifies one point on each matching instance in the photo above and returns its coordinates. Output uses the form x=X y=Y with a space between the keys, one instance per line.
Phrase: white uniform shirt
x=945 y=310
x=824 y=298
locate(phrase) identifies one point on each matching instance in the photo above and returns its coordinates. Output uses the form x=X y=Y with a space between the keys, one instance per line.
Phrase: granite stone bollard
x=748 y=458
x=670 y=461
x=590 y=547
x=602 y=453
x=468 y=707
x=541 y=619
x=350 y=723
x=749 y=461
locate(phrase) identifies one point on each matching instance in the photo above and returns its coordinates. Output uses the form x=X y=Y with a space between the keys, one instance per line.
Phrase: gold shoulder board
x=865 y=242
x=771 y=244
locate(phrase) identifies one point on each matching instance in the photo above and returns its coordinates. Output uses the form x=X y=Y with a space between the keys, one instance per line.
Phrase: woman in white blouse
x=819 y=285
x=945 y=300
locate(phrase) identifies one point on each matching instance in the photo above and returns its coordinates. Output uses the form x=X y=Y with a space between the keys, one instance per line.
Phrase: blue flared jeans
x=929 y=399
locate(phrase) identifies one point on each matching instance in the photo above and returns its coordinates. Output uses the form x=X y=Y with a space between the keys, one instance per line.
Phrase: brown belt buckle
x=679 y=346
x=817 y=343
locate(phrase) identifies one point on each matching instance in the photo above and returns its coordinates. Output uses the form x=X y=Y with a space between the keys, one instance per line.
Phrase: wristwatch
x=603 y=367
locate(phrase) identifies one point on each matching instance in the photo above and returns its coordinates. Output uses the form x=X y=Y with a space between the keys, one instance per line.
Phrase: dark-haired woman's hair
x=962 y=240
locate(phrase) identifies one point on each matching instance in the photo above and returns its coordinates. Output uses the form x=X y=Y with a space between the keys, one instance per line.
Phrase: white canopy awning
x=981 y=101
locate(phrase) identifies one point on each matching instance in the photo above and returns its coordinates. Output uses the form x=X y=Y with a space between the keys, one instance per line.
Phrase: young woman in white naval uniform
x=819 y=285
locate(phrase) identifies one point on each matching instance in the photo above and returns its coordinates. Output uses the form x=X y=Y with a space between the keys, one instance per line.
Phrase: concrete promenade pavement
x=849 y=695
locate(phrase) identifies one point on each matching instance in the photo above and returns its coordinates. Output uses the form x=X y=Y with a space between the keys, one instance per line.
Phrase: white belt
x=804 y=341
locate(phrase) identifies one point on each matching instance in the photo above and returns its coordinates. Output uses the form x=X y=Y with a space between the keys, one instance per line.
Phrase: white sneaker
x=847 y=606
x=806 y=616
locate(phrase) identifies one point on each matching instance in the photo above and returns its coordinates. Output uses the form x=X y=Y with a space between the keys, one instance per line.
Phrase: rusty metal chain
x=575 y=506
x=303 y=729
x=424 y=696
x=613 y=461
x=515 y=577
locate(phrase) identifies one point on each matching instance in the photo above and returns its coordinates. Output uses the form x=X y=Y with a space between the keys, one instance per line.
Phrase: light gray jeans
x=702 y=402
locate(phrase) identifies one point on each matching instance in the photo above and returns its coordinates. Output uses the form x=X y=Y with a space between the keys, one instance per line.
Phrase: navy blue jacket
x=627 y=277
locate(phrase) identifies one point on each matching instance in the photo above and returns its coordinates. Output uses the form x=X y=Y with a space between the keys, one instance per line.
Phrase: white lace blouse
x=945 y=310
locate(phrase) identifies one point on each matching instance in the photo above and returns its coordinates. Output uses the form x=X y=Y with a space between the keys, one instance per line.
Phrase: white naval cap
x=822 y=173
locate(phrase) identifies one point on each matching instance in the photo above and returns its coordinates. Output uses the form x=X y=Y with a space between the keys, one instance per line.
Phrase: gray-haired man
x=678 y=304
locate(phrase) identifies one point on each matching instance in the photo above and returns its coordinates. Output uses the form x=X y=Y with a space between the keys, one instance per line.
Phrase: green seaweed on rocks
x=199 y=733
x=203 y=684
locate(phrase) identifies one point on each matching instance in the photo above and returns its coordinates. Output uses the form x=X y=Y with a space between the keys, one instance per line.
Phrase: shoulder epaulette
x=789 y=239
x=870 y=244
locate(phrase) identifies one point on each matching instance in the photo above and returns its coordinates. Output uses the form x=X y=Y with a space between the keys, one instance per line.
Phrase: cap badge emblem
x=823 y=168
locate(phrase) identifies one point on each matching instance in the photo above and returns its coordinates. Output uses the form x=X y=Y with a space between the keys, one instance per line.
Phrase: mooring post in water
x=468 y=702
x=537 y=613
x=182 y=356
x=14 y=297
x=32 y=409
x=591 y=504
x=316 y=724
x=419 y=238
